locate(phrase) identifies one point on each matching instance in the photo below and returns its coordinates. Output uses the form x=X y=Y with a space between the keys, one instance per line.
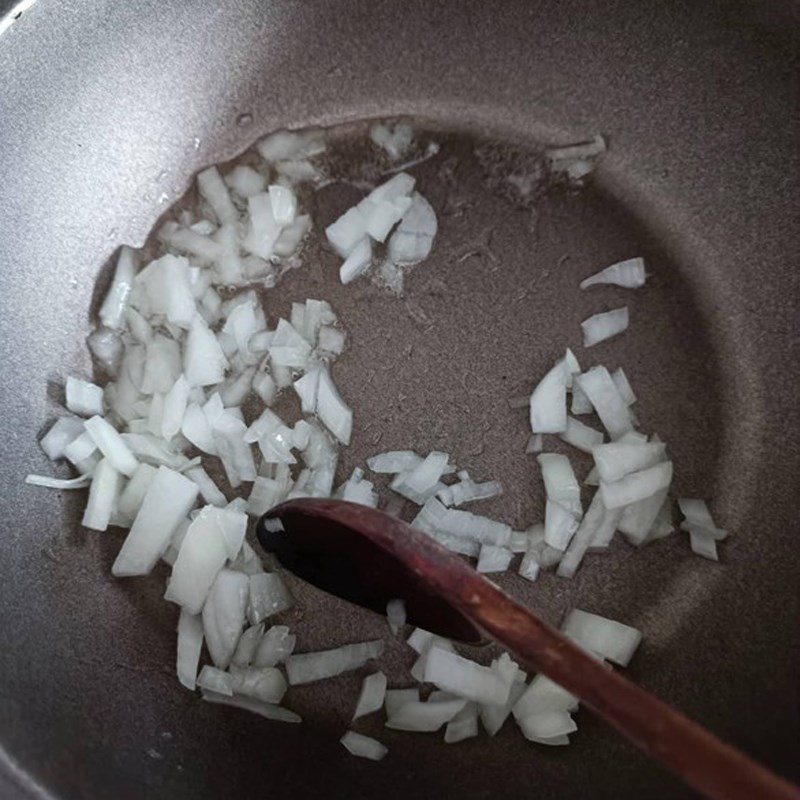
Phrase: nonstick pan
x=106 y=112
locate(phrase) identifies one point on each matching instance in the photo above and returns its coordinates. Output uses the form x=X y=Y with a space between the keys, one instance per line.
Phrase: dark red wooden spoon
x=368 y=557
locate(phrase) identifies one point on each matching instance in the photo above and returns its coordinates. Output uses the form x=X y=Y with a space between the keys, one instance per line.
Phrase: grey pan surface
x=106 y=110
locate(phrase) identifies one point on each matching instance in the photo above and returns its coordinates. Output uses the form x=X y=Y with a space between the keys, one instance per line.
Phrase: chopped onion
x=637 y=485
x=394 y=461
x=549 y=401
x=618 y=459
x=394 y=140
x=638 y=518
x=600 y=327
x=204 y=363
x=467 y=491
x=247 y=645
x=284 y=204
x=84 y=398
x=412 y=241
x=309 y=667
x=396 y=614
x=332 y=410
x=580 y=402
x=111 y=445
x=64 y=431
x=275 y=647
x=81 y=482
x=581 y=436
x=543 y=694
x=384 y=215
x=396 y=698
x=190 y=643
x=245 y=181
x=112 y=311
x=215 y=192
x=544 y=726
x=464 y=678
x=373 y=692
x=424 y=717
x=234 y=452
x=215 y=680
x=224 y=615
x=288 y=347
x=208 y=489
x=267 y=710
x=699 y=524
x=167 y=501
x=605 y=637
x=629 y=274
x=268 y=596
x=363 y=746
x=357 y=262
x=603 y=394
x=202 y=555
x=102 y=496
x=291 y=145
x=623 y=386
x=264 y=228
x=493 y=559
x=266 y=684
x=347 y=232
x=463 y=725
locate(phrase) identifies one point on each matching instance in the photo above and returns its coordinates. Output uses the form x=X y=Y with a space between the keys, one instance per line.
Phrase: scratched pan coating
x=109 y=110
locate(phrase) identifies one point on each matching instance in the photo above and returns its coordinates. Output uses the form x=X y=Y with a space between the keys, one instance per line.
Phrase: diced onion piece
x=292 y=235
x=452 y=673
x=308 y=667
x=699 y=524
x=168 y=499
x=64 y=431
x=600 y=327
x=363 y=746
x=112 y=312
x=204 y=363
x=412 y=240
x=197 y=429
x=190 y=643
x=267 y=710
x=284 y=204
x=268 y=596
x=623 y=386
x=394 y=461
x=357 y=262
x=603 y=394
x=493 y=716
x=215 y=680
x=424 y=717
x=275 y=647
x=224 y=615
x=597 y=526
x=395 y=698
x=215 y=192
x=235 y=453
x=84 y=398
x=493 y=559
x=548 y=405
x=45 y=481
x=291 y=145
x=636 y=486
x=332 y=410
x=266 y=684
x=424 y=476
x=394 y=140
x=463 y=725
x=543 y=694
x=111 y=445
x=208 y=489
x=638 y=518
x=618 y=459
x=580 y=402
x=605 y=637
x=203 y=553
x=544 y=726
x=245 y=181
x=175 y=403
x=581 y=436
x=559 y=481
x=307 y=389
x=247 y=645
x=102 y=496
x=288 y=347
x=167 y=286
x=384 y=215
x=264 y=229
x=396 y=614
x=347 y=232
x=373 y=692
x=629 y=274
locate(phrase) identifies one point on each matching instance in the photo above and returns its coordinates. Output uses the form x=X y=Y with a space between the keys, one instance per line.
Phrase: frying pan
x=108 y=109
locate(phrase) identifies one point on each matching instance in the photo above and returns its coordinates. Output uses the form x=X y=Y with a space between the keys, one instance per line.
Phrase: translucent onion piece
x=363 y=746
x=629 y=274
x=600 y=327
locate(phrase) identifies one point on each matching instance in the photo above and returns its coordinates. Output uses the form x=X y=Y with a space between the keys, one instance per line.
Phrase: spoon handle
x=711 y=766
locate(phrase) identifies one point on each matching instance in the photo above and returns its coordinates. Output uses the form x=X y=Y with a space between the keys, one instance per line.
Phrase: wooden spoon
x=367 y=557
